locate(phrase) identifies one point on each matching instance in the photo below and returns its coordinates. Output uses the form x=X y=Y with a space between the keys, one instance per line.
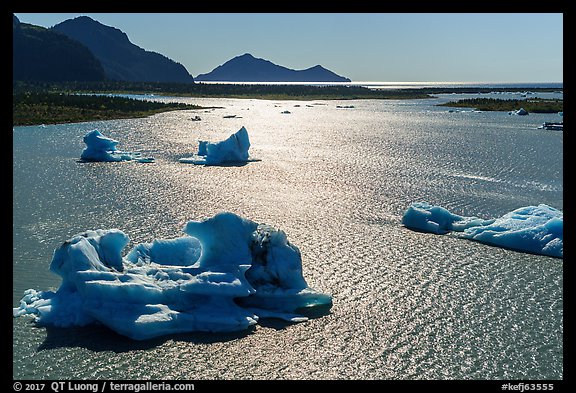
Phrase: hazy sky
x=453 y=47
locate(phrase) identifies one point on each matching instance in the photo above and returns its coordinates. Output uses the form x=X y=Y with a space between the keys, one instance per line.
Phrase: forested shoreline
x=67 y=102
x=53 y=108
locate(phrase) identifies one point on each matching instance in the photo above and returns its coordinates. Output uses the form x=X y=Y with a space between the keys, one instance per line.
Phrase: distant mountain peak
x=86 y=23
x=247 y=68
x=82 y=19
x=85 y=18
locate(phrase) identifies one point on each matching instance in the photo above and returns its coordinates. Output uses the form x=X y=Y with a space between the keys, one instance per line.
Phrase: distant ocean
x=414 y=85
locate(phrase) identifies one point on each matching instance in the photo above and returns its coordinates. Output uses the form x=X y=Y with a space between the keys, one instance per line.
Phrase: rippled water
x=407 y=305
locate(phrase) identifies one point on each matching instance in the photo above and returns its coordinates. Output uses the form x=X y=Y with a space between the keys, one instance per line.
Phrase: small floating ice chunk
x=99 y=147
x=227 y=274
x=533 y=229
x=102 y=148
x=520 y=112
x=232 y=150
x=145 y=160
x=435 y=219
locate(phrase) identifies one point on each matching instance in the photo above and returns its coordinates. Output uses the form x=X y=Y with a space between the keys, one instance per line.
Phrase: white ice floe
x=232 y=150
x=103 y=148
x=223 y=276
x=533 y=229
x=520 y=112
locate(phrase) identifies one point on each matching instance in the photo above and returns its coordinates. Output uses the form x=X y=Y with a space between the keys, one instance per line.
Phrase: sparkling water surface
x=407 y=305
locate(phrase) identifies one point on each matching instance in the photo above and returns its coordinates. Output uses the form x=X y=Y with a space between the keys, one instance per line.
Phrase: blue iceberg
x=232 y=150
x=100 y=148
x=532 y=229
x=223 y=276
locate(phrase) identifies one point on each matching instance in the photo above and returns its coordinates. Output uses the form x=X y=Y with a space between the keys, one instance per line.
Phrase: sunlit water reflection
x=407 y=305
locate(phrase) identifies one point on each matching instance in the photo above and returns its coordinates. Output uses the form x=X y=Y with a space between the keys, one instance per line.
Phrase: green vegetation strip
x=52 y=108
x=535 y=105
x=224 y=90
x=262 y=91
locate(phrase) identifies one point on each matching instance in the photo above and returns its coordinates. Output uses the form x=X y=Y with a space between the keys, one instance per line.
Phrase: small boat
x=553 y=126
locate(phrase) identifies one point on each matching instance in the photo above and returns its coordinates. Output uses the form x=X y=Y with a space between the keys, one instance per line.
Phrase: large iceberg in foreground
x=232 y=150
x=222 y=277
x=103 y=148
x=533 y=229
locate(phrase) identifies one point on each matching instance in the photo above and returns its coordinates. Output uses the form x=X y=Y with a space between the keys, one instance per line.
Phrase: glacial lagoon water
x=407 y=305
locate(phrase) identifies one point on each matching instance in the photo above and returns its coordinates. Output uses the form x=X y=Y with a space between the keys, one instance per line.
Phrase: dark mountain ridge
x=247 y=68
x=121 y=59
x=40 y=54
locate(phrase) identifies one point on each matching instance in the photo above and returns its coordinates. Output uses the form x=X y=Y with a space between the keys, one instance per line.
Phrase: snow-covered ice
x=223 y=276
x=232 y=150
x=533 y=229
x=103 y=148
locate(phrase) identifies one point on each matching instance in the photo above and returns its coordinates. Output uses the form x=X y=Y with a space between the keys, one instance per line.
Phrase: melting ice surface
x=103 y=148
x=225 y=274
x=534 y=229
x=232 y=150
